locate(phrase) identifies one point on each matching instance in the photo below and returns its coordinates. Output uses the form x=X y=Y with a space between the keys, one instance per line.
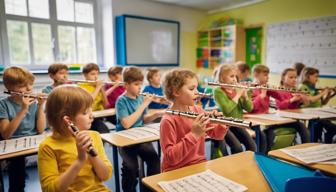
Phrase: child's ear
x=67 y=120
x=176 y=92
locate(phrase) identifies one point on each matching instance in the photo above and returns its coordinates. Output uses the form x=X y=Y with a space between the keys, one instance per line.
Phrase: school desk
x=104 y=113
x=119 y=141
x=240 y=167
x=312 y=118
x=327 y=168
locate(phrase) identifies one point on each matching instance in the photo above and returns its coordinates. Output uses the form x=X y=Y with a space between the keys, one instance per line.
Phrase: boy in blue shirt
x=154 y=87
x=131 y=111
x=20 y=116
x=58 y=72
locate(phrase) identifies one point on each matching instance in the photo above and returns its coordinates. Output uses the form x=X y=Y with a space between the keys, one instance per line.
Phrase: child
x=131 y=110
x=114 y=91
x=91 y=72
x=287 y=100
x=63 y=162
x=20 y=116
x=243 y=73
x=154 y=87
x=298 y=67
x=182 y=139
x=232 y=102
x=58 y=72
x=309 y=79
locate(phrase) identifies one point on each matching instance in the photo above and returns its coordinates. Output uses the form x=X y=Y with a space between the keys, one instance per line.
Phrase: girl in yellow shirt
x=63 y=161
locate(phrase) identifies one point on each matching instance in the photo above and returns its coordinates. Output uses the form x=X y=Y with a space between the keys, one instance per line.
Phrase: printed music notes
x=139 y=133
x=204 y=181
x=315 y=154
x=20 y=144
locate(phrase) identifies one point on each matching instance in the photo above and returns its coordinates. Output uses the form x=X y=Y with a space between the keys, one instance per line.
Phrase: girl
x=232 y=102
x=63 y=162
x=182 y=139
x=309 y=78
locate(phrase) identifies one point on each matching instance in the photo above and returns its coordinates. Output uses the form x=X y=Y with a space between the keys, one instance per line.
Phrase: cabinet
x=220 y=45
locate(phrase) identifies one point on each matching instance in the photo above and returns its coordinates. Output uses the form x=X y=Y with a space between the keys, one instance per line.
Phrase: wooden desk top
x=19 y=153
x=314 y=112
x=104 y=113
x=240 y=168
x=121 y=141
x=266 y=122
x=329 y=169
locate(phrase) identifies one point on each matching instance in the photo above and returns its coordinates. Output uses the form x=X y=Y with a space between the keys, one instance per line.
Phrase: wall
x=189 y=20
x=278 y=11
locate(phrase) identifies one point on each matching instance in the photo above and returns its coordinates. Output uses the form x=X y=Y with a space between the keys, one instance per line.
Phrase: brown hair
x=54 y=68
x=17 y=76
x=151 y=72
x=114 y=70
x=65 y=100
x=90 y=67
x=284 y=73
x=298 y=66
x=259 y=68
x=132 y=74
x=223 y=69
x=174 y=80
x=306 y=72
x=242 y=66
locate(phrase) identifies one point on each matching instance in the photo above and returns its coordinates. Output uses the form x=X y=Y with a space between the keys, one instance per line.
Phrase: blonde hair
x=54 y=68
x=284 y=73
x=174 y=80
x=151 y=72
x=259 y=68
x=90 y=67
x=65 y=100
x=17 y=76
x=306 y=72
x=132 y=74
x=223 y=70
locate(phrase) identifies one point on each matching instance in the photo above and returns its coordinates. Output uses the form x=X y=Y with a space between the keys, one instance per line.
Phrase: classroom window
x=35 y=33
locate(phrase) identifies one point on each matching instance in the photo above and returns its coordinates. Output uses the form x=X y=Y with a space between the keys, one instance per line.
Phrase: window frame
x=53 y=23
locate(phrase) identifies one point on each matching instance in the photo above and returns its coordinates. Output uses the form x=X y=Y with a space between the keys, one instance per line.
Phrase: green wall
x=277 y=11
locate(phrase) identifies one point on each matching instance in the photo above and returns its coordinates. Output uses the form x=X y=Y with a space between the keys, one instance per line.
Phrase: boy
x=131 y=110
x=20 y=116
x=58 y=72
x=91 y=72
x=243 y=72
x=154 y=87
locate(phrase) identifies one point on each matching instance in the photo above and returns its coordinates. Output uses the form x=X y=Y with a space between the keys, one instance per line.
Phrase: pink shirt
x=261 y=104
x=179 y=145
x=113 y=96
x=284 y=101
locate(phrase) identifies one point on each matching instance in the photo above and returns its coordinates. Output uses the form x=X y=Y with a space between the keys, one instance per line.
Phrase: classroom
x=168 y=95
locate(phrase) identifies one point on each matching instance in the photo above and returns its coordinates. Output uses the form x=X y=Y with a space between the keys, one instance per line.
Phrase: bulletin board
x=312 y=42
x=253 y=46
x=145 y=41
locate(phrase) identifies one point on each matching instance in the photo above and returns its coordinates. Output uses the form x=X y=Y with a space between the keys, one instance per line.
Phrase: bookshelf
x=220 y=45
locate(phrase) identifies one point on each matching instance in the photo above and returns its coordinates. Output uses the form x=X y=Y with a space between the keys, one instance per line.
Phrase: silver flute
x=30 y=95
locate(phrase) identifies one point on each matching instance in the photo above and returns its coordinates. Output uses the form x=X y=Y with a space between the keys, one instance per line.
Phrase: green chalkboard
x=253 y=45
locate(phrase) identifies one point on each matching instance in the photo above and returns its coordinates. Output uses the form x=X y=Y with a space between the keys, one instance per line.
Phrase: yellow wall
x=277 y=11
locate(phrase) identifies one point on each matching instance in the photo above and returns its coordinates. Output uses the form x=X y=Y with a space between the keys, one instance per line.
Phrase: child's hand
x=198 y=127
x=26 y=102
x=148 y=99
x=117 y=83
x=296 y=97
x=41 y=98
x=83 y=142
x=99 y=84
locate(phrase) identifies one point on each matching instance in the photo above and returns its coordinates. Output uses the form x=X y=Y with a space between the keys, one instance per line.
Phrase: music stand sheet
x=204 y=181
x=315 y=154
x=20 y=144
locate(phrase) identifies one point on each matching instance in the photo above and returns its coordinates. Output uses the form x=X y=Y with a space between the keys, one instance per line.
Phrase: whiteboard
x=148 y=41
x=312 y=42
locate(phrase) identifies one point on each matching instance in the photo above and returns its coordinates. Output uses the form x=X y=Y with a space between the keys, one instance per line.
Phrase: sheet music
x=269 y=116
x=21 y=144
x=139 y=133
x=318 y=112
x=328 y=109
x=204 y=181
x=320 y=153
x=293 y=115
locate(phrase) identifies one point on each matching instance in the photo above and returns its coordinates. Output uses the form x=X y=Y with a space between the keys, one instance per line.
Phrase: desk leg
x=2 y=188
x=116 y=167
x=159 y=148
x=257 y=132
x=311 y=126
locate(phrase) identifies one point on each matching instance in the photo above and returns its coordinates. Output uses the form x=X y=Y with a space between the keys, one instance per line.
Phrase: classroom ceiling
x=211 y=6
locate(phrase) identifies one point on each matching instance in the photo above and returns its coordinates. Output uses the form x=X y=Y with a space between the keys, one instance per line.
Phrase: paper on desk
x=204 y=181
x=293 y=115
x=329 y=109
x=315 y=154
x=318 y=112
x=21 y=144
x=139 y=133
x=269 y=116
